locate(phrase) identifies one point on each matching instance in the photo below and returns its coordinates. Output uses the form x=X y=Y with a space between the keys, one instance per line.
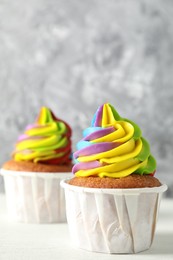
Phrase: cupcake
x=112 y=201
x=41 y=159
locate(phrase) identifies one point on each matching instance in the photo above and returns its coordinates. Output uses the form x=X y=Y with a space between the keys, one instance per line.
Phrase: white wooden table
x=52 y=242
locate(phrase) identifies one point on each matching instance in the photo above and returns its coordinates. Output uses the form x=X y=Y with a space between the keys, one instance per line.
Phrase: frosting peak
x=112 y=147
x=46 y=141
x=105 y=115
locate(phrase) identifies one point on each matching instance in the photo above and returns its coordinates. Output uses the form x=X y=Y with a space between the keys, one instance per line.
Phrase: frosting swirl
x=45 y=141
x=112 y=147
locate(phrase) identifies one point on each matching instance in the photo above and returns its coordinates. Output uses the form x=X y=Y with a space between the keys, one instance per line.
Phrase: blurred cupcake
x=42 y=158
x=112 y=202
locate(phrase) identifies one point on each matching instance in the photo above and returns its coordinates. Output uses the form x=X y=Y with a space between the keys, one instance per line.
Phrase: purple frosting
x=30 y=126
x=26 y=137
x=99 y=133
x=86 y=166
x=34 y=126
x=98 y=118
x=96 y=148
x=22 y=137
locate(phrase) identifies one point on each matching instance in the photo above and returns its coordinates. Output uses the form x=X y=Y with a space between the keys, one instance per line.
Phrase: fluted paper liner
x=34 y=197
x=112 y=220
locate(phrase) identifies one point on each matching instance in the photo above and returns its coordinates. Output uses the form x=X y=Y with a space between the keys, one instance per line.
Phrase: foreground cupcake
x=113 y=200
x=42 y=157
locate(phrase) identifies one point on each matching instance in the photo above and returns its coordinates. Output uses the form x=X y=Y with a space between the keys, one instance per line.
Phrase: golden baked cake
x=131 y=181
x=36 y=167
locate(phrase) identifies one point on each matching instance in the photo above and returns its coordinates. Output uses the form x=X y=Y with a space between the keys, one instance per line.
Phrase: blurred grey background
x=75 y=55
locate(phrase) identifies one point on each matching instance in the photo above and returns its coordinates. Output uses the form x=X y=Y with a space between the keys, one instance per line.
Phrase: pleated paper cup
x=35 y=197
x=112 y=220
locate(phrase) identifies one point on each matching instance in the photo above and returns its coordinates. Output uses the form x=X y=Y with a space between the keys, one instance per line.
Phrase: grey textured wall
x=75 y=55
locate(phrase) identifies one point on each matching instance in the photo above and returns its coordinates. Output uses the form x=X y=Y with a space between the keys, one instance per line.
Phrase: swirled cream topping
x=45 y=141
x=112 y=147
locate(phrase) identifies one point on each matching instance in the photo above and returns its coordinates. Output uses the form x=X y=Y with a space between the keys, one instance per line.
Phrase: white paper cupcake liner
x=112 y=220
x=34 y=197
